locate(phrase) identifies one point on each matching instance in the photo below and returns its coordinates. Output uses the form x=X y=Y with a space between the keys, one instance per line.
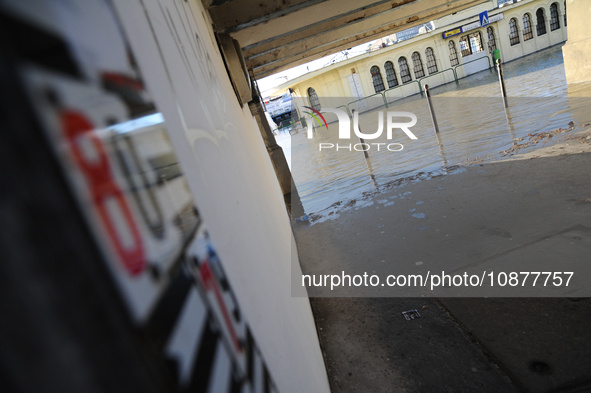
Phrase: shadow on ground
x=459 y=344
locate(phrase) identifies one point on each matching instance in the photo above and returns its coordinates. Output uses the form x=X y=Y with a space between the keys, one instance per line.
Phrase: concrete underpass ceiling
x=279 y=34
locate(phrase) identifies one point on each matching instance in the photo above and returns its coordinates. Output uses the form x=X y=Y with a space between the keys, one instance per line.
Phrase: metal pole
x=441 y=151
x=367 y=160
x=353 y=111
x=502 y=82
x=428 y=94
x=364 y=151
x=510 y=125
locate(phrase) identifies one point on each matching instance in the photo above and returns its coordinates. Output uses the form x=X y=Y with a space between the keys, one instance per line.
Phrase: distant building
x=461 y=44
x=382 y=42
x=279 y=108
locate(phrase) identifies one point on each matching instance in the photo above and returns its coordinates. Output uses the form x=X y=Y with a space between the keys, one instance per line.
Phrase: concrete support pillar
x=577 y=50
x=290 y=193
x=275 y=151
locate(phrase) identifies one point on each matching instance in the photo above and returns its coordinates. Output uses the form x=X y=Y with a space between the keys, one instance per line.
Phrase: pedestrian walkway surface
x=534 y=209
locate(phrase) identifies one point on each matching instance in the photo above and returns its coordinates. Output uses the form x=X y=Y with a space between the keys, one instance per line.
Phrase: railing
x=346 y=108
x=454 y=70
x=472 y=61
x=418 y=82
x=366 y=98
x=399 y=87
x=340 y=106
x=286 y=125
x=437 y=73
x=382 y=93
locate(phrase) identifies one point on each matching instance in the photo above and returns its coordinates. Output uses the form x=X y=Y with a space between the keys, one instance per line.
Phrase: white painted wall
x=232 y=179
x=472 y=66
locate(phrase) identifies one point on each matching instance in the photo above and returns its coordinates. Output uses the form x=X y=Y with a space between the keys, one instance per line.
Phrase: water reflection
x=474 y=126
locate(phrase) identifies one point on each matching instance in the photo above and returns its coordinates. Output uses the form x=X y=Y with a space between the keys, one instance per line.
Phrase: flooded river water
x=474 y=127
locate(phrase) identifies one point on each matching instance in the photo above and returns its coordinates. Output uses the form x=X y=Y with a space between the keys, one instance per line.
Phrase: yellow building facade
x=460 y=44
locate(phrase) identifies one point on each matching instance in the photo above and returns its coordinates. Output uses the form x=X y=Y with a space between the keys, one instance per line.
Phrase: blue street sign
x=483 y=16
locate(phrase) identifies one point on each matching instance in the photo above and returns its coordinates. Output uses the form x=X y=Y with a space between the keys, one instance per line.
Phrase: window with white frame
x=378 y=81
x=417 y=65
x=528 y=33
x=554 y=17
x=541 y=22
x=492 y=42
x=471 y=43
x=390 y=74
x=453 y=54
x=513 y=32
x=313 y=97
x=431 y=62
x=405 y=76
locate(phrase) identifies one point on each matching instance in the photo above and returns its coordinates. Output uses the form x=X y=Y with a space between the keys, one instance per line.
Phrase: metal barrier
x=383 y=94
x=286 y=125
x=437 y=73
x=365 y=98
x=418 y=82
x=340 y=106
x=475 y=60
x=399 y=87
x=346 y=108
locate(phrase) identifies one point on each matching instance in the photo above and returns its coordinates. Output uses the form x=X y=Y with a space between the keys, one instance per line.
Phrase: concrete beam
x=348 y=26
x=325 y=25
x=238 y=14
x=328 y=14
x=364 y=30
x=275 y=151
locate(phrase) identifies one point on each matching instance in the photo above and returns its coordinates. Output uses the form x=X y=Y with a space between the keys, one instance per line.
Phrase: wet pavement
x=524 y=210
x=522 y=203
x=530 y=345
x=473 y=123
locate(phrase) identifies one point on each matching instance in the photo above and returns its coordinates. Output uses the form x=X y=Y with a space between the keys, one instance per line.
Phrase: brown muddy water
x=474 y=128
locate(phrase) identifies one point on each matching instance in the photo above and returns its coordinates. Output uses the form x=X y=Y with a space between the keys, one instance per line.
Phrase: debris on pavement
x=411 y=314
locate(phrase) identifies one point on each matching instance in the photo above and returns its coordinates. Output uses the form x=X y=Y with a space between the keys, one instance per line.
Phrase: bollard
x=510 y=126
x=364 y=151
x=502 y=82
x=360 y=139
x=441 y=151
x=367 y=160
x=428 y=94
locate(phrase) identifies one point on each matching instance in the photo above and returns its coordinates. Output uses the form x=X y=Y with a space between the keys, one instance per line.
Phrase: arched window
x=492 y=42
x=431 y=63
x=554 y=18
x=313 y=97
x=417 y=64
x=513 y=32
x=541 y=25
x=528 y=33
x=453 y=54
x=390 y=74
x=378 y=82
x=404 y=71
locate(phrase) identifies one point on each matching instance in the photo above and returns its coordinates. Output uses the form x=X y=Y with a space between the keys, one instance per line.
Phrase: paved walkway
x=534 y=212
